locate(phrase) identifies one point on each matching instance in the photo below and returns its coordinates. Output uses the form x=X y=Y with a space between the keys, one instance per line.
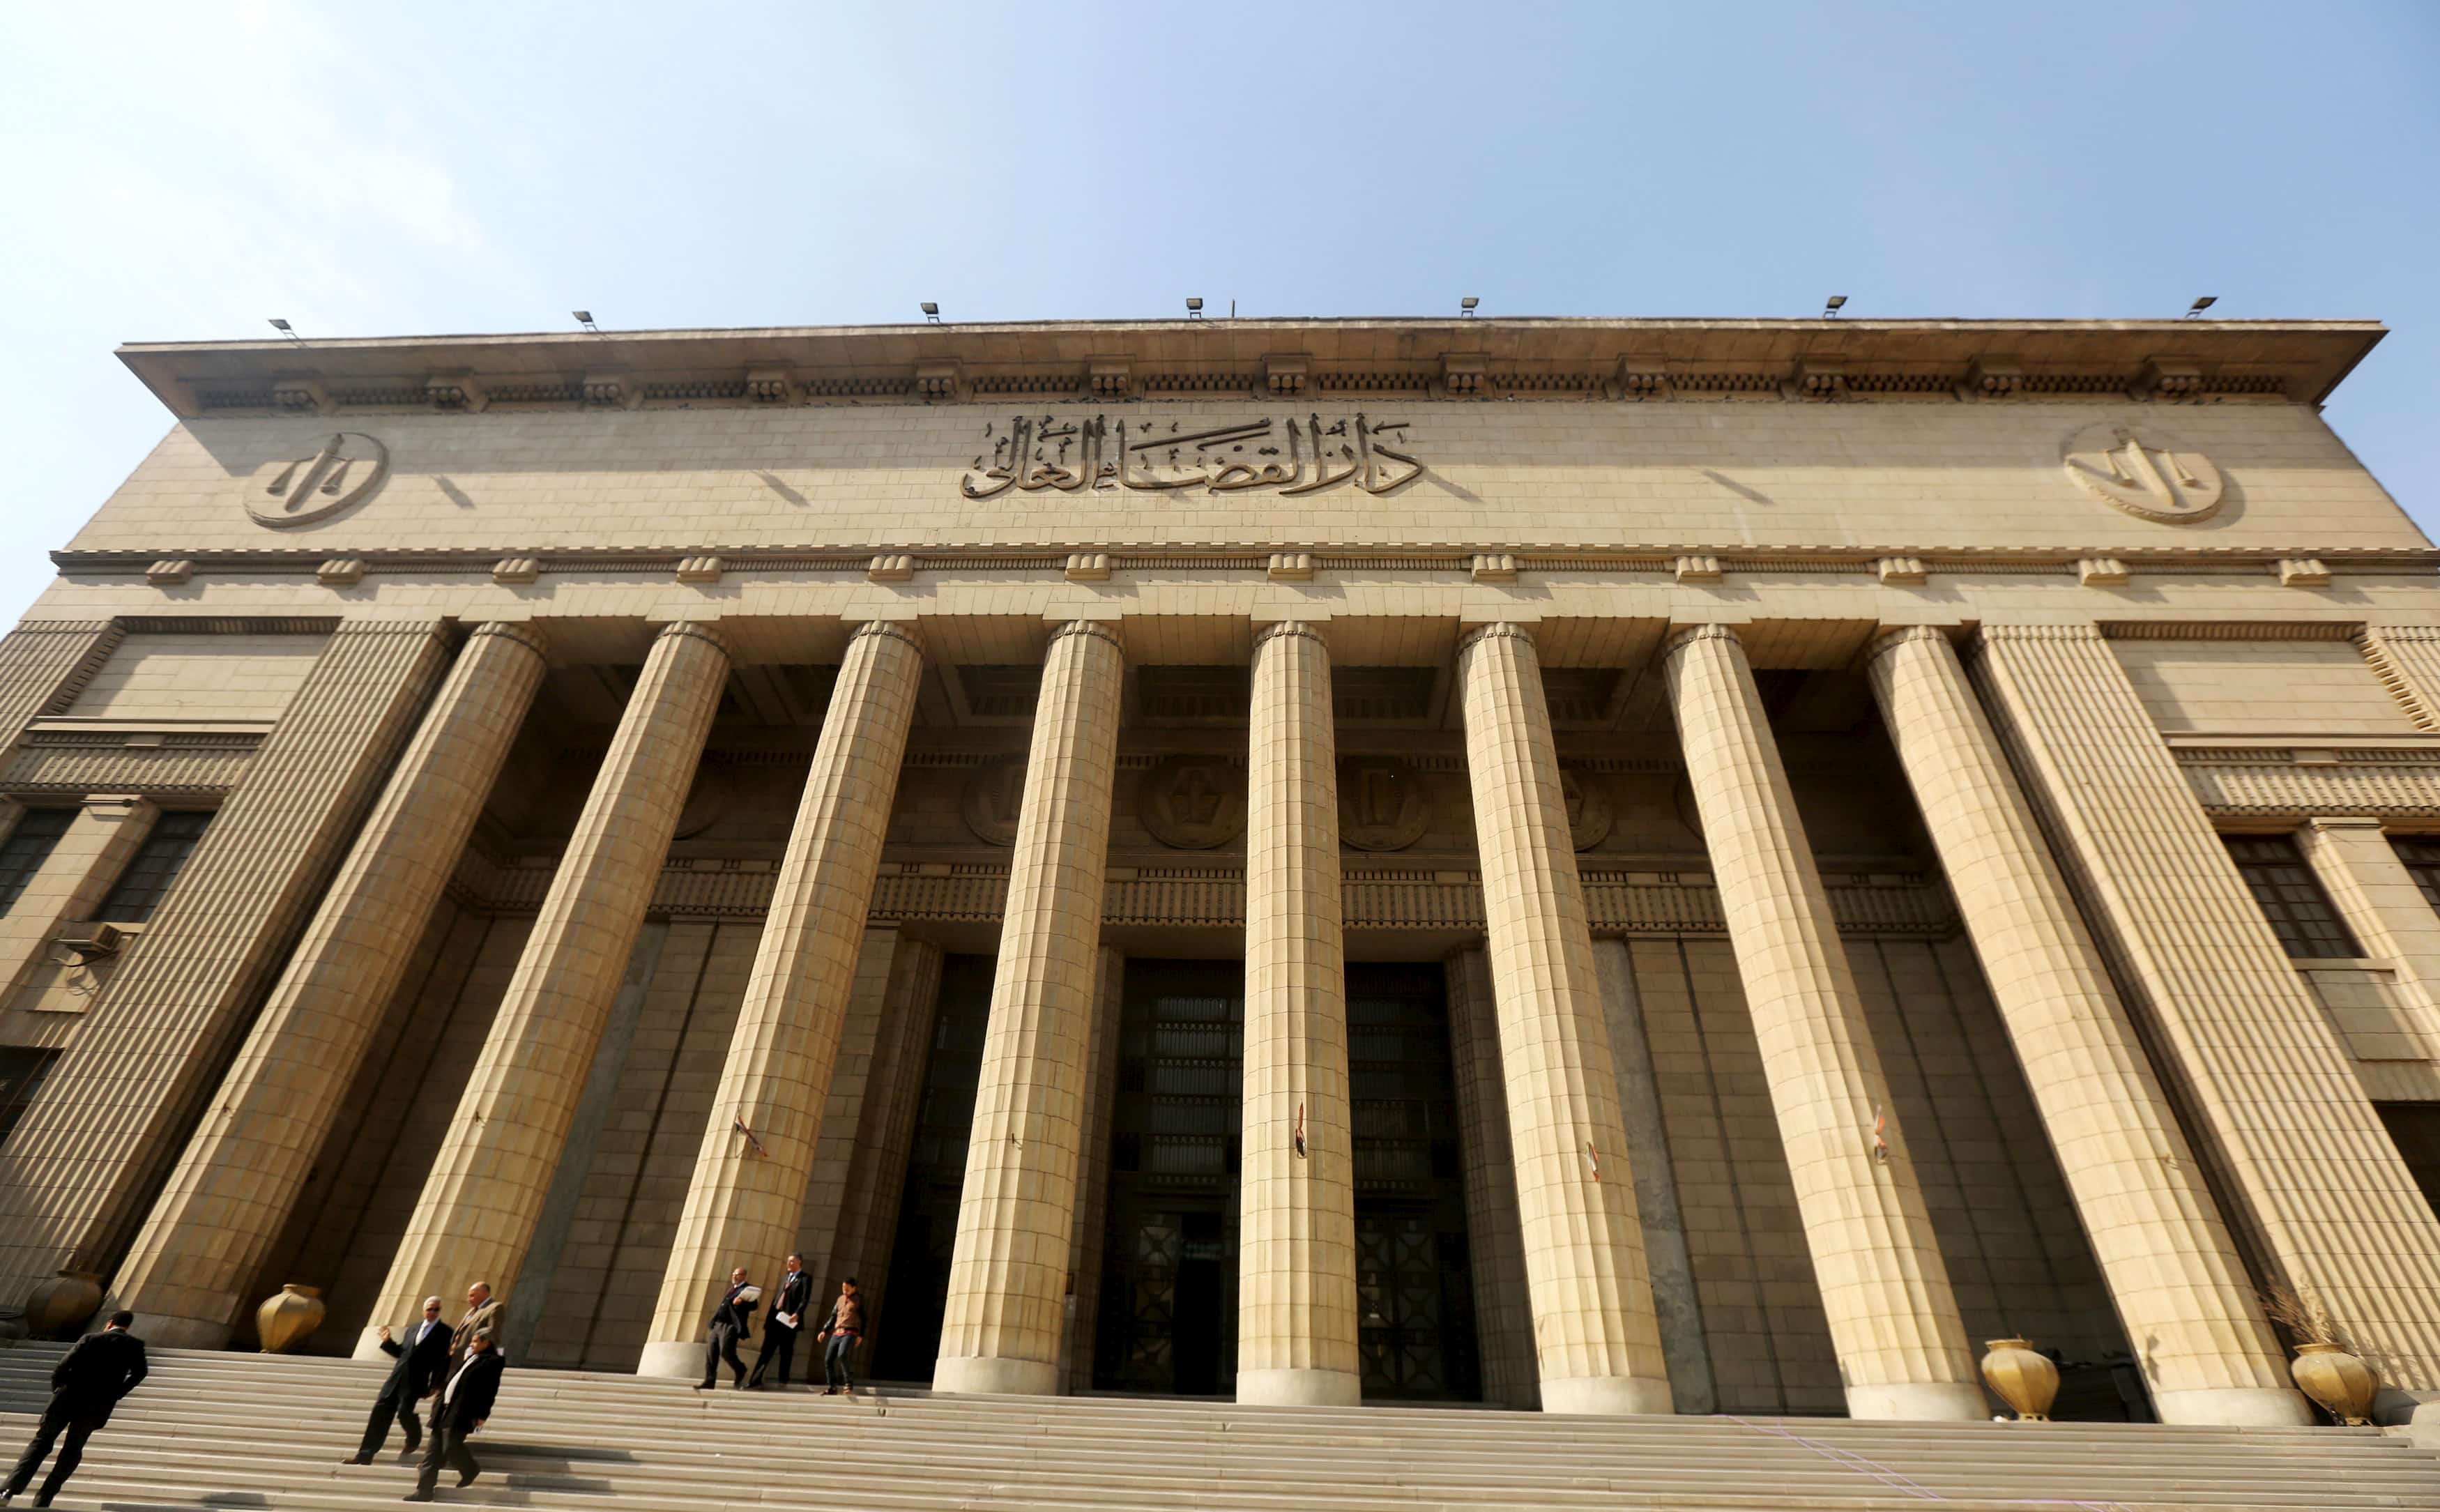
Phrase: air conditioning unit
x=92 y=939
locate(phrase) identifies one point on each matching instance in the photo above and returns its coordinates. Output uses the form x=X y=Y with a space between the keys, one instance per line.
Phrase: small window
x=28 y=847
x=2421 y=854
x=21 y=1077
x=157 y=863
x=2291 y=899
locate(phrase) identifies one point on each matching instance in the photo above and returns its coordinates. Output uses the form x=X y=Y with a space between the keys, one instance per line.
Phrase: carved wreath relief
x=993 y=795
x=1192 y=802
x=339 y=475
x=1297 y=457
x=1381 y=803
x=2148 y=473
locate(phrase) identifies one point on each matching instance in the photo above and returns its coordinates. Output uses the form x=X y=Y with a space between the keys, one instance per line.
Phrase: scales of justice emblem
x=2150 y=476
x=348 y=467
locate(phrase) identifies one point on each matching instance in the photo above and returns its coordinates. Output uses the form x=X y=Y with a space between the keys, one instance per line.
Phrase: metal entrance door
x=1414 y=1294
x=1168 y=1318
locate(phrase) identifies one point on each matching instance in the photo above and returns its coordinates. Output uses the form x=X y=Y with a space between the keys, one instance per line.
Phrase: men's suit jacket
x=732 y=1313
x=471 y=1388
x=423 y=1363
x=89 y=1379
x=476 y=1319
x=795 y=1293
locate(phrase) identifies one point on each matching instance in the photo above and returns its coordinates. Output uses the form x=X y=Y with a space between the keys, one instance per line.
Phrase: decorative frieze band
x=1214 y=897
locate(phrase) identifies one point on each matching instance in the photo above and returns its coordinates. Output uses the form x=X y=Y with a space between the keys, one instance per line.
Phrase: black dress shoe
x=357 y=1459
x=417 y=1496
x=467 y=1479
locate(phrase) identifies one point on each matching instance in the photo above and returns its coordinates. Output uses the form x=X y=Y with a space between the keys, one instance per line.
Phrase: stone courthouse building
x=1625 y=866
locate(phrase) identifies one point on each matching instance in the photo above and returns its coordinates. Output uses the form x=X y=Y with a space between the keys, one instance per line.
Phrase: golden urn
x=2028 y=1382
x=289 y=1319
x=2342 y=1382
x=60 y=1304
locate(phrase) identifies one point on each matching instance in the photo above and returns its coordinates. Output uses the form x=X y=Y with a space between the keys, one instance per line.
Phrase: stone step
x=1217 y=1420
x=196 y=1436
x=823 y=1426
x=541 y=1440
x=549 y=1469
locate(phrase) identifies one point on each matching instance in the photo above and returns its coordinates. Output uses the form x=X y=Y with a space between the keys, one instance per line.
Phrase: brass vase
x=2342 y=1382
x=2028 y=1382
x=59 y=1305
x=289 y=1319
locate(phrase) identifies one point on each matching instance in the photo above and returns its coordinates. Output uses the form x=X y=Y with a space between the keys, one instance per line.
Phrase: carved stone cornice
x=2018 y=362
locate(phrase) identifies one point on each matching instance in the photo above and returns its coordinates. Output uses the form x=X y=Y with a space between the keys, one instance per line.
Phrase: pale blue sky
x=186 y=170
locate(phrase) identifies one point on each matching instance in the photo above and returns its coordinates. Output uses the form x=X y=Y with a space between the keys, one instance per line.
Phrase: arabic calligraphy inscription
x=1035 y=451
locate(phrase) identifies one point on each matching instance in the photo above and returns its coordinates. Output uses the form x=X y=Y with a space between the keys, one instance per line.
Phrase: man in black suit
x=88 y=1382
x=464 y=1406
x=422 y=1362
x=732 y=1321
x=787 y=1316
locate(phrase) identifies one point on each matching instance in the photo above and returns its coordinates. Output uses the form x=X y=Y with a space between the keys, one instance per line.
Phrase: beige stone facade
x=1606 y=865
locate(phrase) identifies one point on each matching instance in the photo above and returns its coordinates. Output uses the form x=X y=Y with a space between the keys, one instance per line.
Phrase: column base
x=982 y=1375
x=2237 y=1406
x=1608 y=1396
x=1299 y=1388
x=162 y=1331
x=1920 y=1402
x=671 y=1359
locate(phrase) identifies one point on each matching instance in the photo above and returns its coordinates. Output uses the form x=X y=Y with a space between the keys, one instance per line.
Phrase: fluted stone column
x=1893 y=1319
x=240 y=1175
x=82 y=1166
x=1674 y=1303
x=1595 y=1337
x=2315 y=1187
x=743 y=1204
x=476 y=1217
x=1504 y=1311
x=1007 y=1280
x=2172 y=1270
x=1296 y=1245
x=876 y=1179
x=1093 y=1178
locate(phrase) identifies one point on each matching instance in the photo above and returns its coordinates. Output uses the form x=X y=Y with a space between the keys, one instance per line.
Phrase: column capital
x=892 y=629
x=1099 y=629
x=703 y=630
x=1902 y=635
x=518 y=631
x=1679 y=640
x=1288 y=629
x=1498 y=630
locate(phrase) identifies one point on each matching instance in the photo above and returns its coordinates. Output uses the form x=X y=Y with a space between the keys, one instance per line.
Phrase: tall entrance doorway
x=1168 y=1317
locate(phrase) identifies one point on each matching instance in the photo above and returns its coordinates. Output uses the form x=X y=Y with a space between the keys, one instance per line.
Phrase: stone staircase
x=224 y=1431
